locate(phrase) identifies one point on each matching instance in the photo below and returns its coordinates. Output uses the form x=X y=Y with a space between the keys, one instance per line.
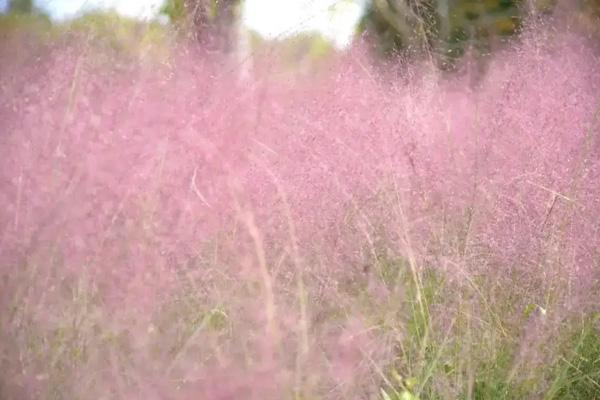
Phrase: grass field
x=171 y=229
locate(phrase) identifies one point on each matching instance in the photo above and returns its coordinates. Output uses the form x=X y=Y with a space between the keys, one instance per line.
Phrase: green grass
x=456 y=341
x=476 y=358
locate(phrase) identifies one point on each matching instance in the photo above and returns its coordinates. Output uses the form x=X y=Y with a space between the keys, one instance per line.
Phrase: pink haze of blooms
x=130 y=174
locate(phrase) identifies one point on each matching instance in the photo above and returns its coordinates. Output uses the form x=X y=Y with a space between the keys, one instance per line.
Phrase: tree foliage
x=210 y=22
x=21 y=6
x=440 y=27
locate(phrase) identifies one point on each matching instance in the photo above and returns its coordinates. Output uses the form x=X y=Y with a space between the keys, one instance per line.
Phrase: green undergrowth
x=446 y=339
x=113 y=36
x=464 y=344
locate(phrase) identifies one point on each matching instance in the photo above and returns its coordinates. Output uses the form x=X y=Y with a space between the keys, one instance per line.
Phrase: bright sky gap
x=334 y=19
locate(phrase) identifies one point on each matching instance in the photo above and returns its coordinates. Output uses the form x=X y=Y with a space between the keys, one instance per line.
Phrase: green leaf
x=385 y=395
x=529 y=310
x=410 y=383
x=406 y=395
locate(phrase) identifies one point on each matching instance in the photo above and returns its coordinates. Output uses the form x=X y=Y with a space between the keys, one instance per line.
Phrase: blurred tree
x=590 y=18
x=441 y=28
x=211 y=22
x=401 y=25
x=127 y=37
x=21 y=6
x=593 y=6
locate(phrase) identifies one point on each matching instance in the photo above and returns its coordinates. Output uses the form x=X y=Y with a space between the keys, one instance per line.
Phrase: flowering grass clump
x=169 y=230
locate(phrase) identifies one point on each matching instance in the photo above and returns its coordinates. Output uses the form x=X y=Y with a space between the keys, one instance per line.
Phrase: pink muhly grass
x=217 y=237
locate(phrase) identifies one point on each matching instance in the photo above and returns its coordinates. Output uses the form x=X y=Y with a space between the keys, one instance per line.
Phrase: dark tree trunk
x=213 y=22
x=21 y=6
